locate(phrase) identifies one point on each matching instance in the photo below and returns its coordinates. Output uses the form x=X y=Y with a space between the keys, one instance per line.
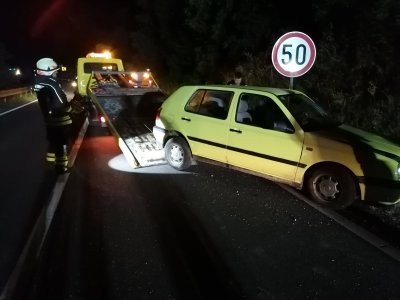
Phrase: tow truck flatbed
x=129 y=111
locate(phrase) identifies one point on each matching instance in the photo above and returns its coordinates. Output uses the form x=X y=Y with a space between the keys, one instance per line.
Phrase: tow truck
x=126 y=101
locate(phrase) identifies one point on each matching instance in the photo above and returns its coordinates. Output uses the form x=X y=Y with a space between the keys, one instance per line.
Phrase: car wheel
x=178 y=154
x=332 y=186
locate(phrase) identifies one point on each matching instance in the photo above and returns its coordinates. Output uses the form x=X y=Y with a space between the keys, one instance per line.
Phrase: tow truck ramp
x=130 y=112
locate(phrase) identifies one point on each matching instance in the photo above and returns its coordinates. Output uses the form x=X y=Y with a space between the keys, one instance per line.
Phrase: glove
x=76 y=106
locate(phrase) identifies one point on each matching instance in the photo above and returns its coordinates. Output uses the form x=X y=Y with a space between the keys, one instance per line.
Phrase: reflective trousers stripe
x=57 y=154
x=62 y=161
x=50 y=156
x=59 y=123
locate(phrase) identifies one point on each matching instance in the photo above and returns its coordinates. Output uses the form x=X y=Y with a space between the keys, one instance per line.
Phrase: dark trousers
x=58 y=139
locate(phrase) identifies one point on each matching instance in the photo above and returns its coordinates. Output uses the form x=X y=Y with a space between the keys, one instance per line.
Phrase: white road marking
x=11 y=110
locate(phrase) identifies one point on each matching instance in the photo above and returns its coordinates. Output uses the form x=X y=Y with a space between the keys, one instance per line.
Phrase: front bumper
x=386 y=192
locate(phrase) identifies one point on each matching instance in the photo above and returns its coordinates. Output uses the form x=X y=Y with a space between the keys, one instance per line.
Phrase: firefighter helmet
x=46 y=66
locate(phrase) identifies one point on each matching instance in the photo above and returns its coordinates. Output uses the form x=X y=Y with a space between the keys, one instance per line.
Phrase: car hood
x=361 y=139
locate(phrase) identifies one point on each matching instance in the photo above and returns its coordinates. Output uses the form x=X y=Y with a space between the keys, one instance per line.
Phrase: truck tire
x=332 y=186
x=178 y=154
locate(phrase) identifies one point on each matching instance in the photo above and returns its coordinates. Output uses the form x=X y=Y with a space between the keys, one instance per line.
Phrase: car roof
x=271 y=90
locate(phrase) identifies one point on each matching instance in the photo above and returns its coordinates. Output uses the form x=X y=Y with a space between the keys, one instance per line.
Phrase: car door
x=204 y=123
x=262 y=139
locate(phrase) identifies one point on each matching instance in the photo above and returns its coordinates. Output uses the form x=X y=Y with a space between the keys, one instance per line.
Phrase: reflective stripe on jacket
x=52 y=100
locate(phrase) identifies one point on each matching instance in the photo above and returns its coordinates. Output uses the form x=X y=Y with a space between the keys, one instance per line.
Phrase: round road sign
x=293 y=54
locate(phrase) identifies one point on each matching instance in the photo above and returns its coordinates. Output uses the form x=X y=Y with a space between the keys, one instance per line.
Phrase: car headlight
x=397 y=172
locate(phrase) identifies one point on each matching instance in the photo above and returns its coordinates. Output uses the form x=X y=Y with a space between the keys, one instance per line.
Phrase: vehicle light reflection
x=120 y=163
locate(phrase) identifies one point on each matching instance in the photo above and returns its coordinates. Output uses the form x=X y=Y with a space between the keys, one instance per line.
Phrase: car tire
x=178 y=154
x=332 y=186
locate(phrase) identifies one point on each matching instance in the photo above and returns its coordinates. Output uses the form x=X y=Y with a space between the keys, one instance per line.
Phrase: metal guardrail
x=12 y=92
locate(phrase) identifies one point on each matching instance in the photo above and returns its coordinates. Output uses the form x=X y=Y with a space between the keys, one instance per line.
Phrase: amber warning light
x=105 y=54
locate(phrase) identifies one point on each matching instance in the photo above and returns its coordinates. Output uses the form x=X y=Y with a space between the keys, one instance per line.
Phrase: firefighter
x=56 y=112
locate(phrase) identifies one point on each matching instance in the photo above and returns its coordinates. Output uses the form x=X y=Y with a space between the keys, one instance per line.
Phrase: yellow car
x=281 y=135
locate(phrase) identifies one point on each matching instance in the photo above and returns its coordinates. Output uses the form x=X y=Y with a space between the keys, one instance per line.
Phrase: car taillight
x=158 y=119
x=102 y=119
x=158 y=113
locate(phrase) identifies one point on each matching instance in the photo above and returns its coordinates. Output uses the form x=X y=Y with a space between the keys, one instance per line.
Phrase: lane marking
x=11 y=110
x=37 y=237
x=356 y=229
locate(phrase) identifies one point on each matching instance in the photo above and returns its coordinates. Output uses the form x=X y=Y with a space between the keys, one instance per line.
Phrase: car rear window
x=211 y=103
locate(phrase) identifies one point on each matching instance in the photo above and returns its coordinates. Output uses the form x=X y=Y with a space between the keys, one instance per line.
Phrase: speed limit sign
x=293 y=54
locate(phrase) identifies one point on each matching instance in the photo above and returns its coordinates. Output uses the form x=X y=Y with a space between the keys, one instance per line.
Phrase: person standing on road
x=56 y=111
x=238 y=77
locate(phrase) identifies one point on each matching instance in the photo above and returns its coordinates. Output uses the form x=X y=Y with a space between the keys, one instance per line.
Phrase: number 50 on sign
x=293 y=54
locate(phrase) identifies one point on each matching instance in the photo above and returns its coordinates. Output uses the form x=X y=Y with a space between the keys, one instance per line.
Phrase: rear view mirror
x=283 y=127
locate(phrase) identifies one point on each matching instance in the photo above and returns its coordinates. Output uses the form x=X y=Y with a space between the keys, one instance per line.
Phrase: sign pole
x=291 y=83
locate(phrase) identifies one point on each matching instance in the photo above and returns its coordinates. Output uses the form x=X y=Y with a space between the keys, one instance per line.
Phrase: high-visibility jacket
x=52 y=101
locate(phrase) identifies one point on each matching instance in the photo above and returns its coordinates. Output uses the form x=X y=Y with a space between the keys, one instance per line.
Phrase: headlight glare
x=397 y=172
x=135 y=76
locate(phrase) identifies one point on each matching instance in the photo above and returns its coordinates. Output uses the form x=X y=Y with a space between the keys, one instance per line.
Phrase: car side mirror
x=283 y=127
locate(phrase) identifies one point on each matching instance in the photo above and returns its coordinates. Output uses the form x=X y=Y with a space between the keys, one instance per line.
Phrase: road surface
x=210 y=233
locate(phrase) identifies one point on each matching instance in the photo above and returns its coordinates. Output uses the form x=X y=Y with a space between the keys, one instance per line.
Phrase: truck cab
x=94 y=62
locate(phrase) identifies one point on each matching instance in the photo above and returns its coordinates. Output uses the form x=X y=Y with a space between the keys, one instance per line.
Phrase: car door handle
x=185 y=119
x=235 y=130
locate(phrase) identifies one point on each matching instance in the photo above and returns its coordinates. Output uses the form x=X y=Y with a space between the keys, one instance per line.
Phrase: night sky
x=62 y=29
x=203 y=40
x=66 y=29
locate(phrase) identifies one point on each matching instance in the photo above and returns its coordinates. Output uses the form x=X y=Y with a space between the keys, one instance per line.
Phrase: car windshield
x=310 y=115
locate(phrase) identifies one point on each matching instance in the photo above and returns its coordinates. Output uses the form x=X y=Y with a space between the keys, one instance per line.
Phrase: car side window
x=210 y=103
x=242 y=112
x=261 y=111
x=194 y=102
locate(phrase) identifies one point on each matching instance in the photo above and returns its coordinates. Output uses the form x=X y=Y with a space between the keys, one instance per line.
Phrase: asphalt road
x=210 y=233
x=25 y=181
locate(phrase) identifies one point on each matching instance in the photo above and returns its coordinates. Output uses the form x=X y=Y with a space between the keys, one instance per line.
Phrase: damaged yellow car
x=282 y=135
